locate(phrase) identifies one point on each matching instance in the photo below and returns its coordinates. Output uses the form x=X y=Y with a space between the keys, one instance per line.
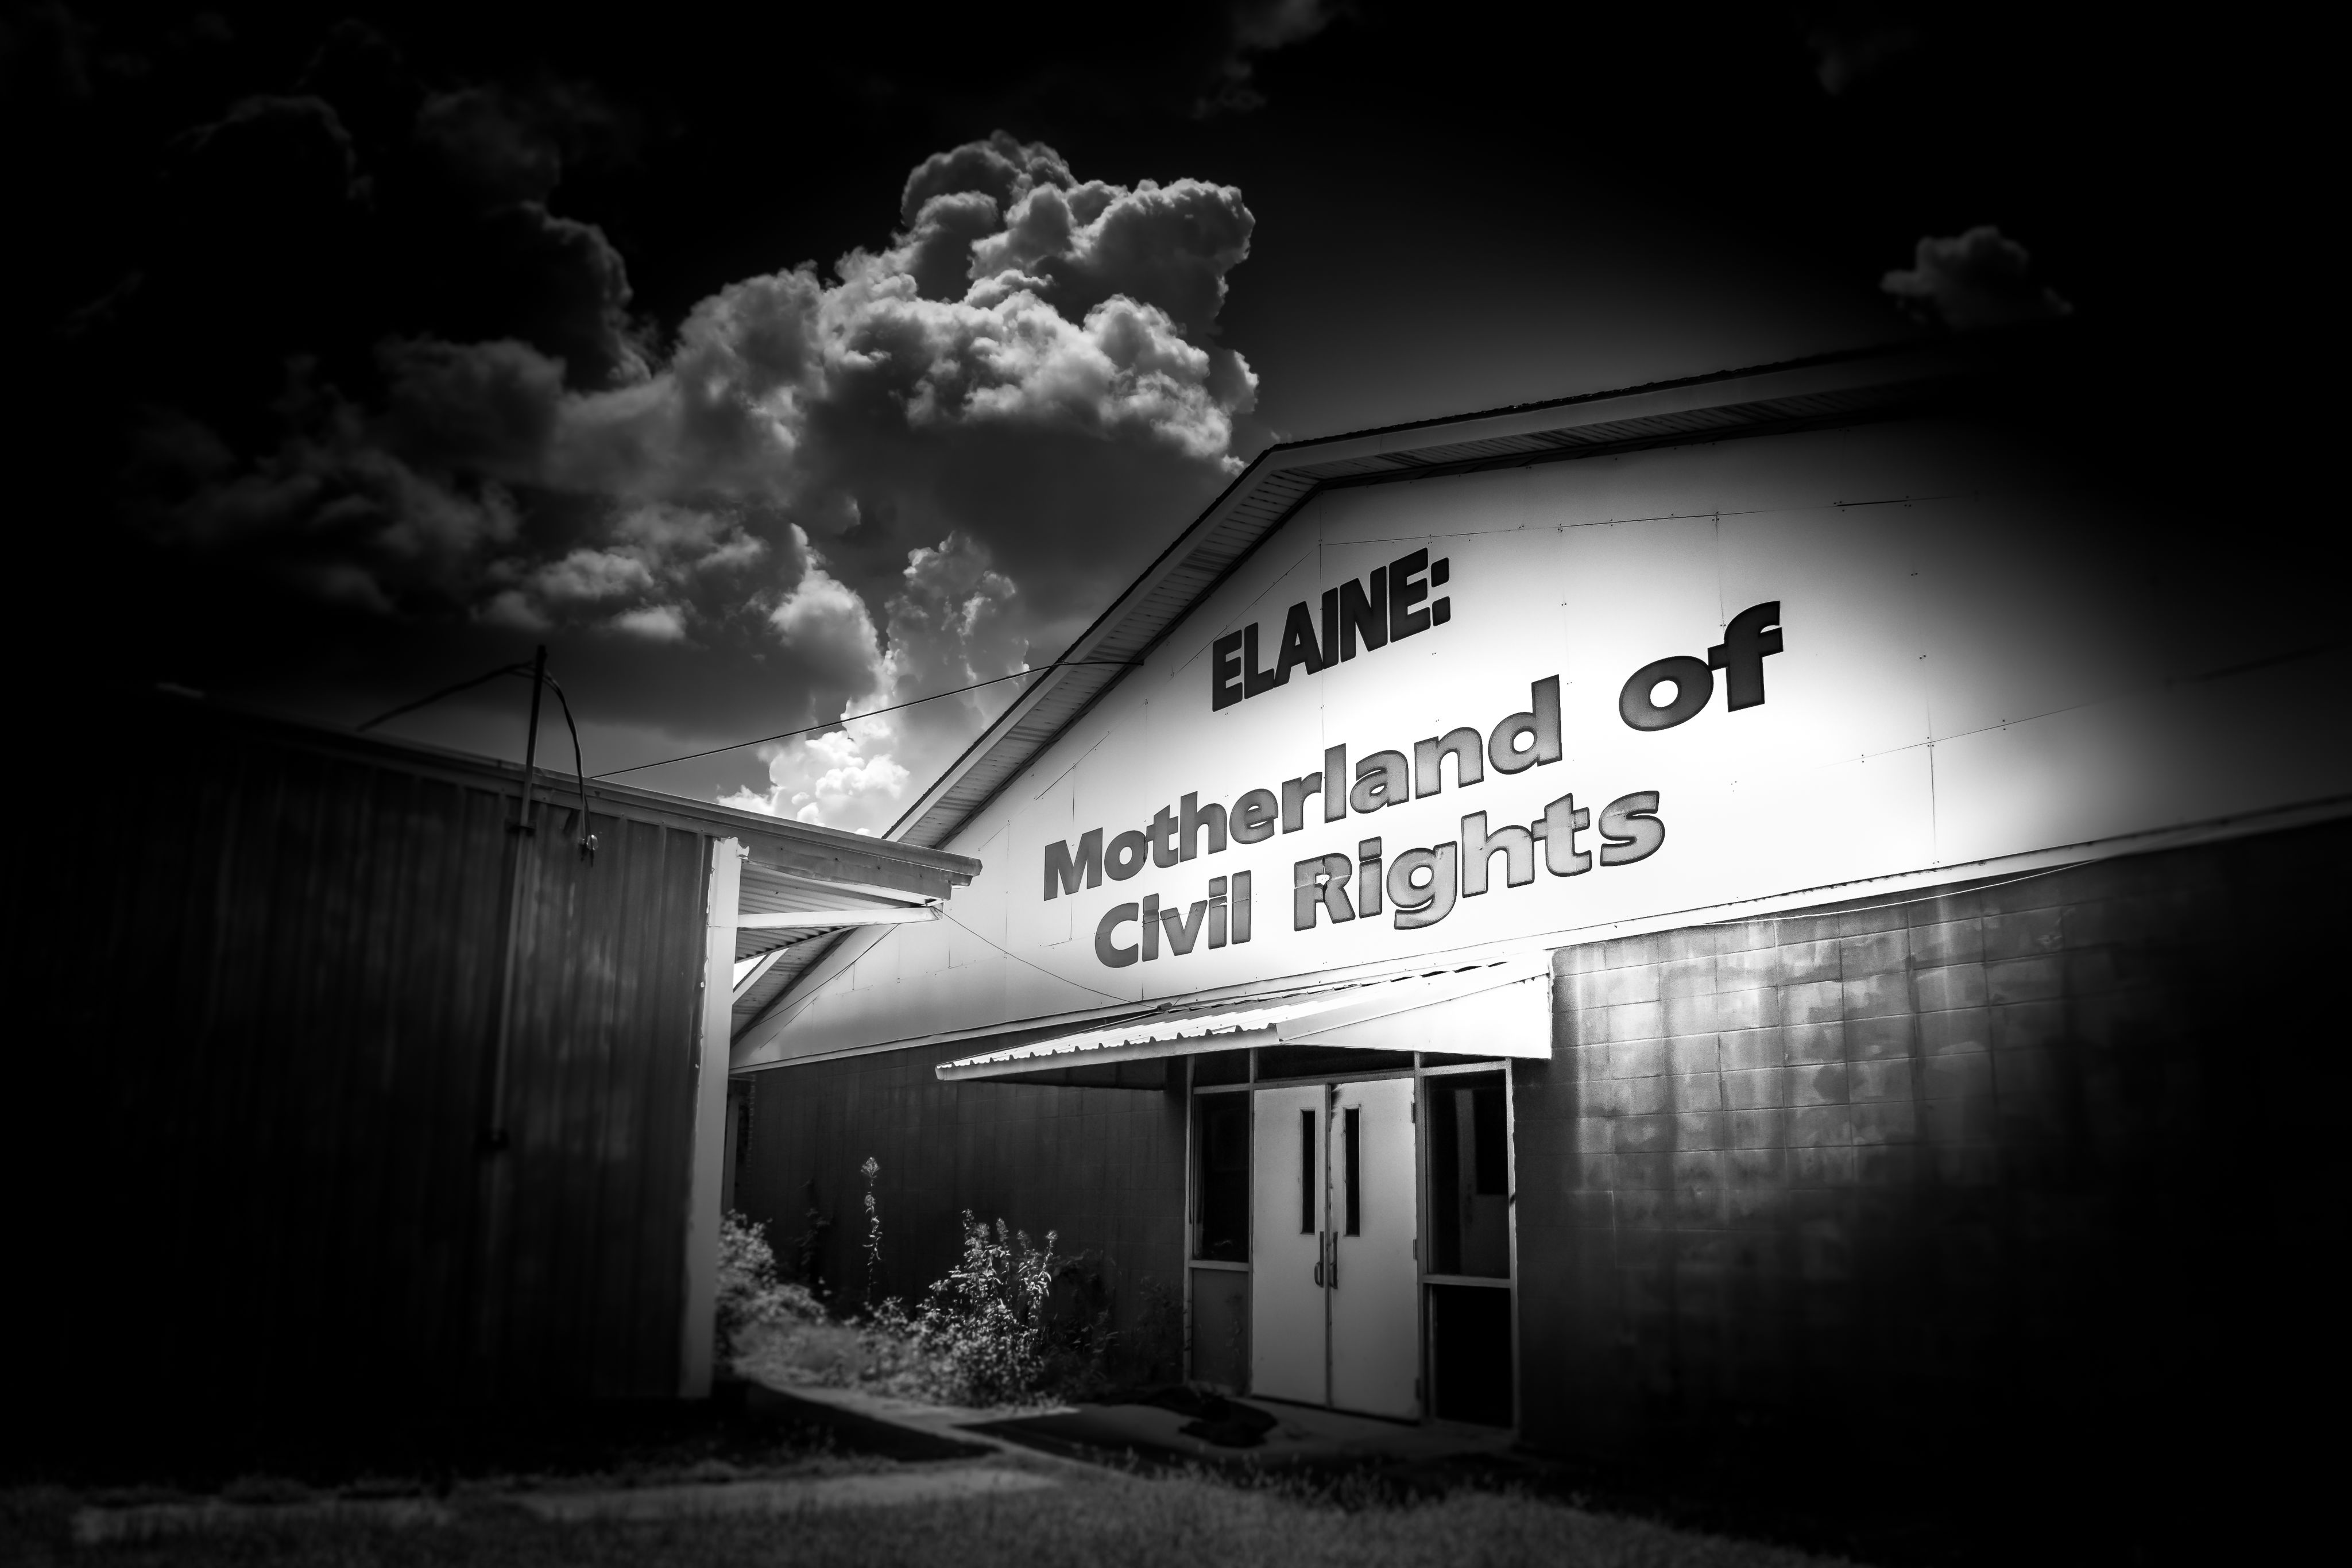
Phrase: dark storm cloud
x=1258 y=28
x=1853 y=42
x=1974 y=281
x=378 y=373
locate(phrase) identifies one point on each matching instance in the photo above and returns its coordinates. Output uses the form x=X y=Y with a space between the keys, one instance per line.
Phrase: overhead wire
x=579 y=765
x=850 y=718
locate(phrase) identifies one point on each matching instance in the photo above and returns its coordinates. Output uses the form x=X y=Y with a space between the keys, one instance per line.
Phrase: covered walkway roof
x=1504 y=1008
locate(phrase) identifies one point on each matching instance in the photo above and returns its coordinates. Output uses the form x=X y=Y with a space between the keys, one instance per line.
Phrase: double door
x=1334 y=1280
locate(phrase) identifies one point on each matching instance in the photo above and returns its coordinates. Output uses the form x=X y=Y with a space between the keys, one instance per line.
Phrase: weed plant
x=752 y=1301
x=1014 y=1322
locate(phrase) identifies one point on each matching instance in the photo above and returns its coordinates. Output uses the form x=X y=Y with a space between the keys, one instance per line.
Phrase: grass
x=1132 y=1521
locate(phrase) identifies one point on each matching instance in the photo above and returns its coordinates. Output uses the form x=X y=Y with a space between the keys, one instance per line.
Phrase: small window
x=1354 y=1165
x=1469 y=1175
x=1221 y=1184
x=1306 y=1172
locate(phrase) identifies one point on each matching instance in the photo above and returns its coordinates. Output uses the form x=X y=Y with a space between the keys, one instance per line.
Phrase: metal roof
x=1828 y=390
x=791 y=866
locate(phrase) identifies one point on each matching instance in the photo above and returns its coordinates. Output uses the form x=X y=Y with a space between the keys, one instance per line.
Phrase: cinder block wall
x=1104 y=1167
x=1988 y=1177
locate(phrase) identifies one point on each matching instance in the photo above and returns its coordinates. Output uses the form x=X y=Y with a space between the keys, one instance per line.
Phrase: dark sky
x=356 y=356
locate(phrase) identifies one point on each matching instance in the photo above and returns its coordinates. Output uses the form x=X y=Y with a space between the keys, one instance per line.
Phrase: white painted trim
x=759 y=967
x=698 y=1329
x=750 y=1058
x=832 y=919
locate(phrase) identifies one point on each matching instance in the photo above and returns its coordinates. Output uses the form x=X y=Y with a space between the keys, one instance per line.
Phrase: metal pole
x=519 y=858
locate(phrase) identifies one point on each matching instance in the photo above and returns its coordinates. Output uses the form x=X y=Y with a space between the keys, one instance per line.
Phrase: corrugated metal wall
x=1104 y=1167
x=261 y=1004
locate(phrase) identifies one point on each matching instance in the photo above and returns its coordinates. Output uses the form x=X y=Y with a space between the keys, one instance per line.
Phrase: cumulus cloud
x=1974 y=281
x=921 y=469
x=954 y=622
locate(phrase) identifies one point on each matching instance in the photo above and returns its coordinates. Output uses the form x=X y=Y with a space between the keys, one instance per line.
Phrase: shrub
x=751 y=1297
x=989 y=1333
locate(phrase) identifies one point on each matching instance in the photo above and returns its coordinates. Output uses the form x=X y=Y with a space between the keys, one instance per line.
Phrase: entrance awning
x=1494 y=1010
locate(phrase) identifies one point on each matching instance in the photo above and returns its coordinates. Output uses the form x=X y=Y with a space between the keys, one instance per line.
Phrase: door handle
x=1333 y=1272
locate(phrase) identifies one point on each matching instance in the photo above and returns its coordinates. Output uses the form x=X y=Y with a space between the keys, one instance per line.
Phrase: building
x=341 y=1100
x=1771 y=914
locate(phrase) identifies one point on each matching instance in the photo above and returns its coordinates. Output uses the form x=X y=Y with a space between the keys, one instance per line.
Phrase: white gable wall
x=1980 y=673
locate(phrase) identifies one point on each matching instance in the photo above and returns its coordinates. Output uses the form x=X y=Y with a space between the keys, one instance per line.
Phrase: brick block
x=1614 y=987
x=1578 y=960
x=1684 y=977
x=1689 y=942
x=2090 y=973
x=1573 y=1029
x=2024 y=933
x=1642 y=1134
x=1695 y=1090
x=1699 y=1205
x=1943 y=908
x=2097 y=921
x=1593 y=1136
x=2024 y=1078
x=1746 y=970
x=1971 y=1165
x=1760 y=1206
x=1819 y=1002
x=1628 y=952
x=1875 y=1039
x=1596 y=1172
x=1875 y=996
x=1812 y=1126
x=1747 y=936
x=1885 y=1121
x=1946 y=1123
x=1951 y=985
x=1822 y=1085
x=1755 y=1009
x=1759 y=1129
x=1580 y=1063
x=1820 y=1165
x=1755 y=1089
x=1874 y=916
x=1812 y=1042
x=1749 y=1048
x=1643 y=1207
x=2021 y=1025
x=1651 y=1097
x=1644 y=1171
x=1808 y=928
x=1753 y=1168
x=1947 y=942
x=1954 y=1076
x=1702 y=1130
x=1886 y=1166
x=1688 y=1053
x=2025 y=979
x=1699 y=1168
x=1804 y=963
x=1887 y=1079
x=1637 y=1058
x=1880 y=953
x=1633 y=1020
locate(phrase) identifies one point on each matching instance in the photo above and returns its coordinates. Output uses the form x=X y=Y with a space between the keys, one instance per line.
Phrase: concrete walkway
x=1300 y=1436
